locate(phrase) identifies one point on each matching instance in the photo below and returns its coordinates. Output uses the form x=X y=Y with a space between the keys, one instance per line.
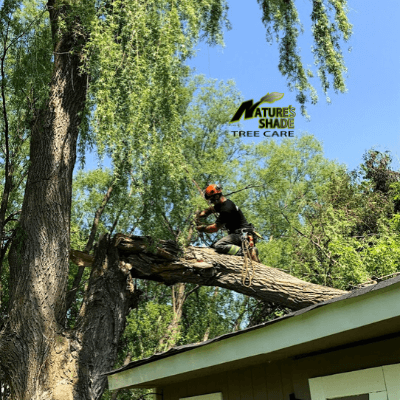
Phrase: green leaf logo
x=271 y=97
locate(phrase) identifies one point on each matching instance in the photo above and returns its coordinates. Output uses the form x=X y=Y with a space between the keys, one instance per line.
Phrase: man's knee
x=235 y=250
x=230 y=249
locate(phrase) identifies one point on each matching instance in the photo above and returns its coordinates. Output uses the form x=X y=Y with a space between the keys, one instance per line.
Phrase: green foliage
x=324 y=224
x=210 y=312
x=329 y=25
x=135 y=59
x=147 y=324
x=207 y=312
x=209 y=151
x=162 y=202
x=122 y=208
x=287 y=177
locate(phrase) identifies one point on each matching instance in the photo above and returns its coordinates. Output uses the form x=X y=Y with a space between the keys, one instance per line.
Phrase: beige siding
x=259 y=382
x=276 y=380
x=236 y=385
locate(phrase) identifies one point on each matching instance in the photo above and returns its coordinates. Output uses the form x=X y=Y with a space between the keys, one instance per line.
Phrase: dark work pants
x=229 y=244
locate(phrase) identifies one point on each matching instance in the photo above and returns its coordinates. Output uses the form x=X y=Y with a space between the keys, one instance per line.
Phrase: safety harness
x=248 y=237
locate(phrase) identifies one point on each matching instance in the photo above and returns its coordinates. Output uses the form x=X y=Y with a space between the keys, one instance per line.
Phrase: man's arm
x=208 y=228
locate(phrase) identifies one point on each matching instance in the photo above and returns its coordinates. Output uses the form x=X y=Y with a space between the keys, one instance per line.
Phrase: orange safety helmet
x=212 y=190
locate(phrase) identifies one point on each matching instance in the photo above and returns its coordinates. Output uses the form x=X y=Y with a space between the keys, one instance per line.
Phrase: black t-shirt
x=231 y=216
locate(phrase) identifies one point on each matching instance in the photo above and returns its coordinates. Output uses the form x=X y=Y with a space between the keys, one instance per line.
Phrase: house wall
x=278 y=379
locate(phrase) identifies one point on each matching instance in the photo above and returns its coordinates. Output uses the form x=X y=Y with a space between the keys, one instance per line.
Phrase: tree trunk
x=74 y=362
x=33 y=341
x=207 y=332
x=204 y=266
x=173 y=329
x=101 y=322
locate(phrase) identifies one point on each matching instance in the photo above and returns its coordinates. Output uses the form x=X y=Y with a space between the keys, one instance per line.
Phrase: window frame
x=380 y=383
x=210 y=396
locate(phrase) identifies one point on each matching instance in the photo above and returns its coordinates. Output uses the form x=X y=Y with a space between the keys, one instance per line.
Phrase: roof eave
x=330 y=325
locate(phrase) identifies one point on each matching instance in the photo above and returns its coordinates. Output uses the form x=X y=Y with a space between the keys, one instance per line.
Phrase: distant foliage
x=325 y=224
x=330 y=26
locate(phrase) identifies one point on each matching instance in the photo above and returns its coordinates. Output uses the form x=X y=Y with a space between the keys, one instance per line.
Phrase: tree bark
x=39 y=255
x=204 y=266
x=101 y=322
x=75 y=361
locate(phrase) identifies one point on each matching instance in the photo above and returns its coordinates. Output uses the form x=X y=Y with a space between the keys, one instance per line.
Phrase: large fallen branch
x=204 y=266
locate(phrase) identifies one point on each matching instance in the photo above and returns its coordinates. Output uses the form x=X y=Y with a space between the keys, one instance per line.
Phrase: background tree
x=352 y=231
x=325 y=224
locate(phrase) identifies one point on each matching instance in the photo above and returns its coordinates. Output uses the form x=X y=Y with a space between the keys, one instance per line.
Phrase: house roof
x=339 y=306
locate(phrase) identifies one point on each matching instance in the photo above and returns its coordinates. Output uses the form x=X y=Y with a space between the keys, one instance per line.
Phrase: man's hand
x=207 y=228
x=202 y=214
x=197 y=217
x=205 y=213
x=201 y=228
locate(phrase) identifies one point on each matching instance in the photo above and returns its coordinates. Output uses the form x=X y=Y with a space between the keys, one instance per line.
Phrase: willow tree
x=107 y=74
x=329 y=26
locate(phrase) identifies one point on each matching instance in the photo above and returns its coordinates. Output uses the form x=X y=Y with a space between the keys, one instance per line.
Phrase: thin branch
x=245 y=188
x=239 y=319
x=191 y=291
x=26 y=30
x=114 y=225
x=312 y=241
x=11 y=217
x=71 y=295
x=168 y=225
x=8 y=167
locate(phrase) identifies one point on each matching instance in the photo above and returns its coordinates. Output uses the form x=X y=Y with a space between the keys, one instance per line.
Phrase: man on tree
x=240 y=232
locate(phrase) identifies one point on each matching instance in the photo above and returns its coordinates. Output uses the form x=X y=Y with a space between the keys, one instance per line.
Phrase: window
x=211 y=396
x=381 y=383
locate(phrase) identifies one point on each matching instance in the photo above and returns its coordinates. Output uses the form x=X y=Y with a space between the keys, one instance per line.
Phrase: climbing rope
x=248 y=265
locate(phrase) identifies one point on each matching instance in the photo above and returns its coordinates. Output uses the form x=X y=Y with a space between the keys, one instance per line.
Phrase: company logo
x=268 y=117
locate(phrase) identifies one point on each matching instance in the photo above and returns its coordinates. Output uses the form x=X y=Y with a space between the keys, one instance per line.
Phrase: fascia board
x=334 y=318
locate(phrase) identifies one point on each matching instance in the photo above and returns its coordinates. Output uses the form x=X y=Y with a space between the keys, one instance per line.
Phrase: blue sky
x=367 y=116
